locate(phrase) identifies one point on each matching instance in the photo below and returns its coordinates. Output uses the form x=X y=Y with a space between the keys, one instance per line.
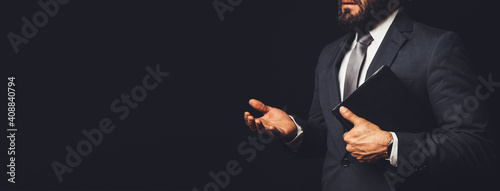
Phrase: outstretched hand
x=273 y=121
x=365 y=141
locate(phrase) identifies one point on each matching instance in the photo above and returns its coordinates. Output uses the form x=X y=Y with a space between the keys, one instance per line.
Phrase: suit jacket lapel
x=392 y=43
x=333 y=69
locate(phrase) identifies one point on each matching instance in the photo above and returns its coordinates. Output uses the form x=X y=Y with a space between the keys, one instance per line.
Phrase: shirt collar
x=378 y=33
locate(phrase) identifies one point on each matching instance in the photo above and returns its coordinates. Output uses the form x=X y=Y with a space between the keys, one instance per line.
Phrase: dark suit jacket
x=433 y=64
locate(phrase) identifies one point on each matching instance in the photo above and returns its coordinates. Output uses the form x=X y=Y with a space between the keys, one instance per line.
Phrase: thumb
x=350 y=116
x=259 y=106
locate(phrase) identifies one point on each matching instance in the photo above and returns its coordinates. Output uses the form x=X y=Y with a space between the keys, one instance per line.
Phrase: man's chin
x=351 y=12
x=350 y=20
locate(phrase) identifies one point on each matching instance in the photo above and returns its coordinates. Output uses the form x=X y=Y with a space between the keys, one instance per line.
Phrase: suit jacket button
x=345 y=162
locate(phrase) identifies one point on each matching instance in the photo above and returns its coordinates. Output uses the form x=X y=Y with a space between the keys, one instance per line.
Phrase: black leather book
x=385 y=101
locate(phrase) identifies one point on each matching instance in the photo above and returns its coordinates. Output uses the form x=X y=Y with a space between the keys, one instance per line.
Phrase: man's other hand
x=365 y=141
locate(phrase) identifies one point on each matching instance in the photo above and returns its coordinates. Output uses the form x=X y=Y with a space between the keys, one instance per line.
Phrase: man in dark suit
x=431 y=63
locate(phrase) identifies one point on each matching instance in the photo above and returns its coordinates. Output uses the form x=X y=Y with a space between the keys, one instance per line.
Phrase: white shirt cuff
x=295 y=143
x=393 y=159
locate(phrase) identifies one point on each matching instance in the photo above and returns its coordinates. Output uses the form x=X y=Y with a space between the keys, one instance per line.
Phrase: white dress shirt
x=378 y=34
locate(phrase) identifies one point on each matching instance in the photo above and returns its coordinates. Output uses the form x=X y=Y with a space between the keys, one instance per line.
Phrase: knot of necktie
x=365 y=39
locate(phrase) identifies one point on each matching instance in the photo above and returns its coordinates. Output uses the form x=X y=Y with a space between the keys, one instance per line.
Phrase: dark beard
x=364 y=20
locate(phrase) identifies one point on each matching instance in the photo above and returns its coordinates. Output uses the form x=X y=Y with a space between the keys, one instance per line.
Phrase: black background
x=91 y=52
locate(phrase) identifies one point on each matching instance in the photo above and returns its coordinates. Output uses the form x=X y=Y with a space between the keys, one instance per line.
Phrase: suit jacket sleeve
x=314 y=129
x=462 y=142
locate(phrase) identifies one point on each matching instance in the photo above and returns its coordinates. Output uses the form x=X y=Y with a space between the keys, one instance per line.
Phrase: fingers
x=257 y=125
x=367 y=158
x=350 y=116
x=254 y=124
x=363 y=159
x=250 y=121
x=260 y=127
x=256 y=104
